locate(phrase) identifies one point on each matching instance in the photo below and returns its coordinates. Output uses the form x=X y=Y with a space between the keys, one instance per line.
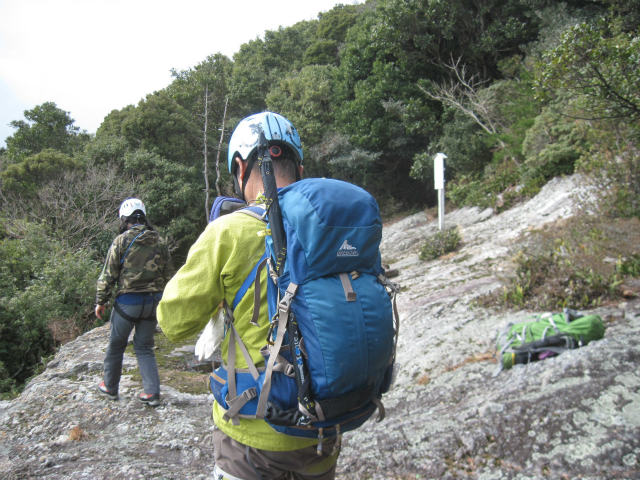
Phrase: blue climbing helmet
x=277 y=130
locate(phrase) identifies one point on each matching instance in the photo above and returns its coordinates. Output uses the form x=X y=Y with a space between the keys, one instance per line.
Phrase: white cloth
x=219 y=474
x=210 y=338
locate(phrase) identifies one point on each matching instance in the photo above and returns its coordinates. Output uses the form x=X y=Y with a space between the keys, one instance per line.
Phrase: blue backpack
x=331 y=348
x=223 y=205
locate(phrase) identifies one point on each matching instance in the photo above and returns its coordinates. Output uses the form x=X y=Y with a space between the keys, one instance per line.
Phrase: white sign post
x=438 y=180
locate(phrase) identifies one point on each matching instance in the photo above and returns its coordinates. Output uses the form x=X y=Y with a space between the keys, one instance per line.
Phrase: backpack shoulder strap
x=255 y=212
x=253 y=277
x=224 y=205
x=132 y=242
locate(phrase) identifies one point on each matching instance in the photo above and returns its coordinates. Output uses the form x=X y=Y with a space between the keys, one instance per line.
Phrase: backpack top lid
x=331 y=227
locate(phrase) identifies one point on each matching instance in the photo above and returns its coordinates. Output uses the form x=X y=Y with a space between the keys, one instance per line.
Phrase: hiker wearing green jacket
x=137 y=268
x=215 y=269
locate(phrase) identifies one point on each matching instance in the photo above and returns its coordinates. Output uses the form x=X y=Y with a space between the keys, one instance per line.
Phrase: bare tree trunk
x=224 y=118
x=462 y=93
x=206 y=153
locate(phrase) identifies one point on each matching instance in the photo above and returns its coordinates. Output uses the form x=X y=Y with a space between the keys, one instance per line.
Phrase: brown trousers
x=247 y=463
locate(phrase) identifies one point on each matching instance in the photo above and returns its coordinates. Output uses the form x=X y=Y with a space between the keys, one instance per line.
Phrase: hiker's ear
x=300 y=170
x=240 y=171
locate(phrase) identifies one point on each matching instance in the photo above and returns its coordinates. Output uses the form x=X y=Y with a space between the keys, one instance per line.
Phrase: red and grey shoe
x=151 y=399
x=102 y=388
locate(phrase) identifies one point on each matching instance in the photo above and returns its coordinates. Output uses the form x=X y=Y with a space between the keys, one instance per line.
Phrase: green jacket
x=217 y=265
x=138 y=261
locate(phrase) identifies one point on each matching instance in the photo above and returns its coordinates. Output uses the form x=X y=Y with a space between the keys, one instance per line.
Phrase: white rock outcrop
x=573 y=416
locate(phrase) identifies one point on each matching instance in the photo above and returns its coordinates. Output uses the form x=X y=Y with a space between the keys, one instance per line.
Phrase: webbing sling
x=349 y=294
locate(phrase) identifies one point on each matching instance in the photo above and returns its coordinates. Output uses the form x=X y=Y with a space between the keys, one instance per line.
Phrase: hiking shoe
x=151 y=399
x=102 y=388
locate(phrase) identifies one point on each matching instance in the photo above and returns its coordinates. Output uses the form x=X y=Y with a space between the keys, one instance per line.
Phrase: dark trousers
x=143 y=343
x=237 y=461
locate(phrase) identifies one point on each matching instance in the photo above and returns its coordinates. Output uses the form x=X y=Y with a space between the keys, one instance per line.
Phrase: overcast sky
x=93 y=56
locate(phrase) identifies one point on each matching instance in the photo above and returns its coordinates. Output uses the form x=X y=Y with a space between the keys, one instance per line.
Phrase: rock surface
x=573 y=416
x=61 y=427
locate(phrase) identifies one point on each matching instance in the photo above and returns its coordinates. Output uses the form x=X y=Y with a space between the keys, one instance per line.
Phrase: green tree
x=189 y=85
x=552 y=146
x=111 y=126
x=159 y=124
x=598 y=65
x=260 y=64
x=28 y=175
x=203 y=90
x=401 y=43
x=330 y=35
x=626 y=12
x=46 y=127
x=305 y=98
x=106 y=149
x=336 y=157
x=167 y=173
x=173 y=198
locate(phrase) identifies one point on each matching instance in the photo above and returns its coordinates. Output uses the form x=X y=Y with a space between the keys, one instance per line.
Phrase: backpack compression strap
x=234 y=401
x=392 y=290
x=277 y=363
x=283 y=317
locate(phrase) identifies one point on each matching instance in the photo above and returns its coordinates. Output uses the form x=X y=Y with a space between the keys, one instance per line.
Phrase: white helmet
x=130 y=205
x=276 y=128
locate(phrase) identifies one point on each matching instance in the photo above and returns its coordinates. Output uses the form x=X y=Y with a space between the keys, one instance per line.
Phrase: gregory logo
x=347 y=250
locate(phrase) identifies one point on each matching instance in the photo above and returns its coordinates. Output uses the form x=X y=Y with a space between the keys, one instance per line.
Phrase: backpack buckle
x=285 y=303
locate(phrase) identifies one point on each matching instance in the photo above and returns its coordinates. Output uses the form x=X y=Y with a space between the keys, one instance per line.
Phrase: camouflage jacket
x=143 y=265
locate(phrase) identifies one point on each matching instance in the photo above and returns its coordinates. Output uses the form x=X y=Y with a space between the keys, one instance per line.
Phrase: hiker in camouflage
x=137 y=267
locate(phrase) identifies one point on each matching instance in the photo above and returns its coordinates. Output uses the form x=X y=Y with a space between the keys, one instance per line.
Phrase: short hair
x=286 y=165
x=136 y=218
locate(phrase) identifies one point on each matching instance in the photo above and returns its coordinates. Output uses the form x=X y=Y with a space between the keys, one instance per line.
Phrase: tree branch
x=461 y=93
x=224 y=118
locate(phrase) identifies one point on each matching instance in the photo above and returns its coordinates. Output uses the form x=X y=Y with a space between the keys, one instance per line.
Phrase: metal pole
x=438 y=180
x=441 y=209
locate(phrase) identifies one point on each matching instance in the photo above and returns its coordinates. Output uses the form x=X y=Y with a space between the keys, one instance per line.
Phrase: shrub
x=563 y=266
x=551 y=147
x=629 y=266
x=485 y=191
x=613 y=166
x=442 y=242
x=42 y=284
x=7 y=384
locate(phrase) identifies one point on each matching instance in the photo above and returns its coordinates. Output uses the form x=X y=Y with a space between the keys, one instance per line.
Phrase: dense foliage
x=515 y=92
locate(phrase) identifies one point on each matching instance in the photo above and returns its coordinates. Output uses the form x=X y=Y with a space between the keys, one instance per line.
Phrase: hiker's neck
x=255 y=187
